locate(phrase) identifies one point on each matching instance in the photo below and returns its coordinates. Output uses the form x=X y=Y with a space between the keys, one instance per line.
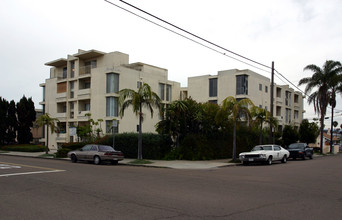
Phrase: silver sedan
x=96 y=153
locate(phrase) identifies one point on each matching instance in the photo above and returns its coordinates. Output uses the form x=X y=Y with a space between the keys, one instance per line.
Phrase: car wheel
x=245 y=163
x=73 y=158
x=284 y=160
x=269 y=161
x=303 y=157
x=310 y=157
x=114 y=162
x=97 y=160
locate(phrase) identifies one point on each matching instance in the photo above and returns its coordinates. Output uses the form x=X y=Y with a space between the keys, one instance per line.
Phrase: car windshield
x=296 y=146
x=105 y=148
x=260 y=147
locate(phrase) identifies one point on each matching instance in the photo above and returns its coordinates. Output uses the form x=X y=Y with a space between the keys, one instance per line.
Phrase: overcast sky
x=292 y=33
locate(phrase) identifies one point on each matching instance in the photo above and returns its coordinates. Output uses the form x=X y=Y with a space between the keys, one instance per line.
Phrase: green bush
x=154 y=146
x=65 y=148
x=24 y=148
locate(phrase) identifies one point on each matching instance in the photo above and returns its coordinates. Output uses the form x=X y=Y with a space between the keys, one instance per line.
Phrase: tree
x=260 y=116
x=238 y=109
x=26 y=116
x=321 y=80
x=290 y=135
x=46 y=120
x=12 y=123
x=308 y=132
x=144 y=97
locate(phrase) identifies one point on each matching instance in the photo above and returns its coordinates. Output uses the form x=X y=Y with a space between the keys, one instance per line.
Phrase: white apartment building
x=287 y=107
x=89 y=81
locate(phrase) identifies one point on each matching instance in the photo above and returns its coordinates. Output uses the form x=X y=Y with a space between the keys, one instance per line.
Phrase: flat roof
x=89 y=54
x=57 y=63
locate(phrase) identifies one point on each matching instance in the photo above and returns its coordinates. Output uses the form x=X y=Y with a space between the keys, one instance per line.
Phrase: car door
x=82 y=154
x=278 y=153
x=93 y=150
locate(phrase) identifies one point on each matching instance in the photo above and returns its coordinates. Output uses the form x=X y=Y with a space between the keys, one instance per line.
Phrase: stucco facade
x=89 y=81
x=287 y=107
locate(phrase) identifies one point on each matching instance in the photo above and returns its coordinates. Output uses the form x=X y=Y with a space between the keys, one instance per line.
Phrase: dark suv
x=300 y=150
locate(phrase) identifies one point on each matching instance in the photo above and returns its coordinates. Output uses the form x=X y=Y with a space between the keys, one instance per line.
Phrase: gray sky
x=292 y=33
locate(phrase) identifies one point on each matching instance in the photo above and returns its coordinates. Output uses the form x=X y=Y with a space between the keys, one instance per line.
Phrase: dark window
x=162 y=91
x=266 y=89
x=213 y=87
x=112 y=82
x=65 y=73
x=242 y=85
x=260 y=87
x=112 y=106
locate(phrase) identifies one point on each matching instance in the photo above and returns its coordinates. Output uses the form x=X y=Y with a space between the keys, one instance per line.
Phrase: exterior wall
x=258 y=92
x=70 y=103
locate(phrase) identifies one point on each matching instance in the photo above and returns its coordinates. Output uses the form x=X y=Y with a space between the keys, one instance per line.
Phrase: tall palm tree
x=49 y=122
x=322 y=81
x=238 y=109
x=260 y=116
x=144 y=97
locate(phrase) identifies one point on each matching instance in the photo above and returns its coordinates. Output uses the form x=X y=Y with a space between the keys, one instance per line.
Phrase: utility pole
x=271 y=140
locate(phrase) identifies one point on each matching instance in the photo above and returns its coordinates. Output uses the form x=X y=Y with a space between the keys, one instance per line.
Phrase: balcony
x=85 y=70
x=83 y=94
x=61 y=116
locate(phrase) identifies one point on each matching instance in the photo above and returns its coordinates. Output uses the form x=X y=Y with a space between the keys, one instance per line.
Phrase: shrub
x=65 y=148
x=154 y=146
x=24 y=148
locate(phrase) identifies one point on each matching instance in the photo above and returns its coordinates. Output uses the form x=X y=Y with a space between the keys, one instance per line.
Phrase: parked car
x=300 y=150
x=265 y=154
x=96 y=153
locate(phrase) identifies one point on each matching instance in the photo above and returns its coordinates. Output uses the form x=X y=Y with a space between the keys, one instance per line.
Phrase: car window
x=93 y=148
x=105 y=148
x=256 y=148
x=276 y=148
x=86 y=148
x=267 y=147
x=296 y=146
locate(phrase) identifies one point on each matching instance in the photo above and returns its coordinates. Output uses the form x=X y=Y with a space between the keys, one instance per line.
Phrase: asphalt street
x=33 y=188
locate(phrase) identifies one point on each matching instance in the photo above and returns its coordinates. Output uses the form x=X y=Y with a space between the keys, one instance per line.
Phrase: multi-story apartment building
x=89 y=81
x=287 y=107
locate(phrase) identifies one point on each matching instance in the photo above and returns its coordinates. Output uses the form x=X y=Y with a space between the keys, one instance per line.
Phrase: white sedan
x=265 y=153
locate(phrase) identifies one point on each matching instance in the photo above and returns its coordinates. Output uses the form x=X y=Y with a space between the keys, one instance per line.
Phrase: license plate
x=250 y=159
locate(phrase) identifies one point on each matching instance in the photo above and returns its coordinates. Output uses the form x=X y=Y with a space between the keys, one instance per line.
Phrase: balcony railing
x=84 y=70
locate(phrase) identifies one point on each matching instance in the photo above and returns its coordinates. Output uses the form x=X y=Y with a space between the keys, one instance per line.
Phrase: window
x=168 y=92
x=112 y=82
x=92 y=64
x=296 y=97
x=109 y=127
x=72 y=69
x=112 y=106
x=242 y=85
x=87 y=107
x=93 y=148
x=139 y=84
x=295 y=115
x=213 y=101
x=61 y=87
x=278 y=92
x=288 y=98
x=213 y=87
x=64 y=73
x=288 y=115
x=260 y=87
x=161 y=91
x=266 y=89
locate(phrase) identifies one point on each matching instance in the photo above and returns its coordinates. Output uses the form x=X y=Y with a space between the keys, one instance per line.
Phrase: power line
x=202 y=39
x=208 y=47
x=194 y=35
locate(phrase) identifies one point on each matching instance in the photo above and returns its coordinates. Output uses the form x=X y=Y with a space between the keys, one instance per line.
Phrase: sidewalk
x=173 y=164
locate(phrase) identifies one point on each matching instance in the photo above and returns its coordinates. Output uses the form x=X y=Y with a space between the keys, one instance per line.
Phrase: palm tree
x=46 y=120
x=322 y=81
x=144 y=97
x=238 y=109
x=260 y=116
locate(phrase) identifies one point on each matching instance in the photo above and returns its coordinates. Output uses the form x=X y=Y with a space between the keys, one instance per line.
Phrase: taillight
x=108 y=154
